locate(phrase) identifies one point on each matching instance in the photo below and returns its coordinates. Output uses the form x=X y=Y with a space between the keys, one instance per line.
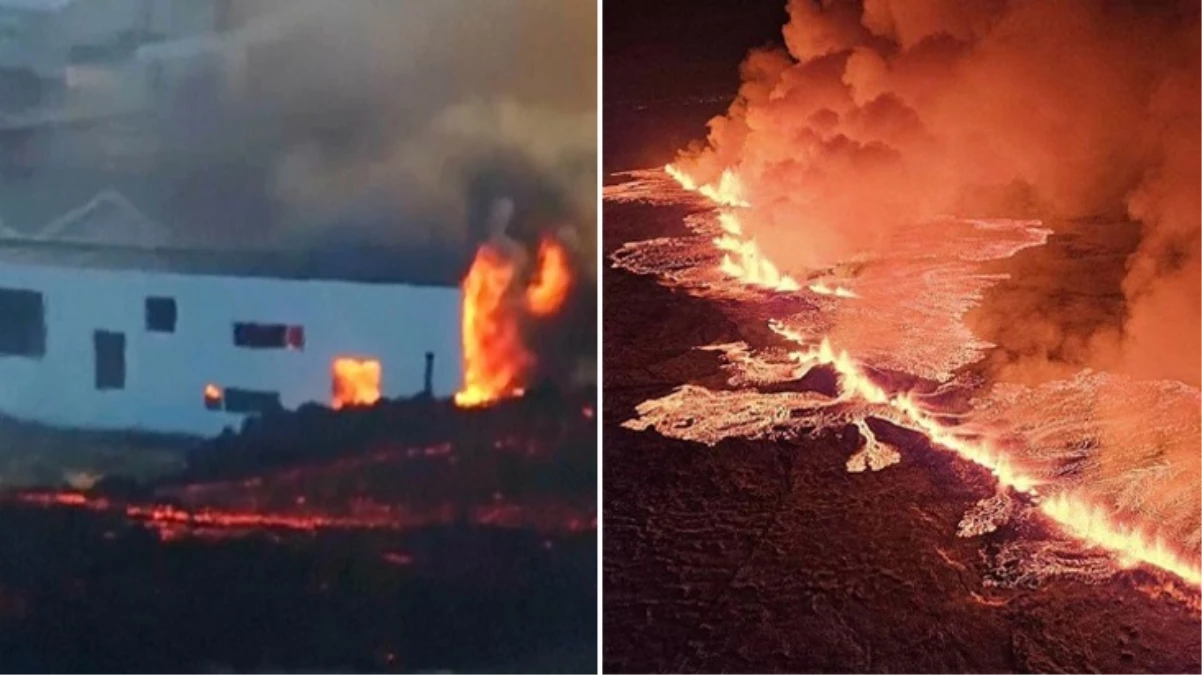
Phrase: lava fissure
x=1073 y=512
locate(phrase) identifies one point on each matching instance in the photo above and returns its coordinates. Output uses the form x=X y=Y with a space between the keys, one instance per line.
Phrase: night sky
x=670 y=66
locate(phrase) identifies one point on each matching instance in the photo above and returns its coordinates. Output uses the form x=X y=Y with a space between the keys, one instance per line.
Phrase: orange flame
x=356 y=382
x=1132 y=545
x=551 y=281
x=495 y=360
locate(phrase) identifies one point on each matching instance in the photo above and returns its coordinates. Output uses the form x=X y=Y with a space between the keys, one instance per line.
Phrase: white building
x=139 y=336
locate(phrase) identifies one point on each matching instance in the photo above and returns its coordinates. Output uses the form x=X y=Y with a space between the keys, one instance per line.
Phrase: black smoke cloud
x=879 y=113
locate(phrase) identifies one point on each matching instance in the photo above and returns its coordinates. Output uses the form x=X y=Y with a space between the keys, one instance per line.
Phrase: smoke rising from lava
x=880 y=114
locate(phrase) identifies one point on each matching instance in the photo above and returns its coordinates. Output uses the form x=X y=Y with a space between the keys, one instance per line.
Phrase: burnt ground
x=406 y=537
x=757 y=556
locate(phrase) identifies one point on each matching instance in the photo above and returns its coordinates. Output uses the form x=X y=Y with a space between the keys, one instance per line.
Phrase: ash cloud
x=879 y=113
x=398 y=123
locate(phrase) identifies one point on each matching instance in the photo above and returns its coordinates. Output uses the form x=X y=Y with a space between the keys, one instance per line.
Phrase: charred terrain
x=406 y=536
x=729 y=550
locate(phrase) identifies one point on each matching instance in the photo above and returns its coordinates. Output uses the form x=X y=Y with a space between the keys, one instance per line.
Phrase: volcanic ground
x=407 y=536
x=761 y=556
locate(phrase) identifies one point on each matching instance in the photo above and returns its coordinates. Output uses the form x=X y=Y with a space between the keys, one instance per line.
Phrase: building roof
x=109 y=232
x=109 y=218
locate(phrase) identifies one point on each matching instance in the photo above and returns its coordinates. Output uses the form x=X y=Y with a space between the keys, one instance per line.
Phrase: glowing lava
x=1130 y=544
x=744 y=261
x=356 y=382
x=728 y=191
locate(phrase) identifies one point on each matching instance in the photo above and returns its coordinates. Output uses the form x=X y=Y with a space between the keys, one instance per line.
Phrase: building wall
x=166 y=373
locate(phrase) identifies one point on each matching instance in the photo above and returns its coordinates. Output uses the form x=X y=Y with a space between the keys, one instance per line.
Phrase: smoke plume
x=395 y=122
x=401 y=128
x=881 y=113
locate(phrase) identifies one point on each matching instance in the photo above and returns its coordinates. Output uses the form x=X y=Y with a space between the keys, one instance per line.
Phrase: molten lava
x=356 y=382
x=552 y=279
x=1075 y=514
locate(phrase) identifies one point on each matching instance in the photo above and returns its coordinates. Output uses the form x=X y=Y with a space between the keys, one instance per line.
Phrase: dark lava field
x=768 y=556
x=410 y=536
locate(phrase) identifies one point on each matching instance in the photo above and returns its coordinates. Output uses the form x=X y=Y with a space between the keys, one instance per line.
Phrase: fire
x=213 y=396
x=356 y=382
x=495 y=359
x=1130 y=544
x=552 y=280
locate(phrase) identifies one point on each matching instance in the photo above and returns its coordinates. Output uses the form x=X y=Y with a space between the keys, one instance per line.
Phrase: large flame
x=1130 y=544
x=496 y=360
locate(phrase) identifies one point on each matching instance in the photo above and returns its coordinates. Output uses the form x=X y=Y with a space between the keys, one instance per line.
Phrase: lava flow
x=379 y=480
x=1074 y=513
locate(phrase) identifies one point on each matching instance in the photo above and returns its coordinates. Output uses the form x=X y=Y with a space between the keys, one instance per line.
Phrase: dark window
x=251 y=402
x=269 y=336
x=22 y=323
x=160 y=315
x=110 y=359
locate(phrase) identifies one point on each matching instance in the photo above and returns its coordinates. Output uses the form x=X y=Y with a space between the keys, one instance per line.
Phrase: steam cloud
x=886 y=112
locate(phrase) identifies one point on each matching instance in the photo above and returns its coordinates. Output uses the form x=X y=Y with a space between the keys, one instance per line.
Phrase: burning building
x=498 y=308
x=109 y=327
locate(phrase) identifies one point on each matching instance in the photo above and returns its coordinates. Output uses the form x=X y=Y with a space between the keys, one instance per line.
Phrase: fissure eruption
x=1130 y=542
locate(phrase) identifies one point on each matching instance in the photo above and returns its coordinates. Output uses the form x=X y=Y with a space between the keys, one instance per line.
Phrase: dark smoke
x=886 y=112
x=368 y=124
x=394 y=122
